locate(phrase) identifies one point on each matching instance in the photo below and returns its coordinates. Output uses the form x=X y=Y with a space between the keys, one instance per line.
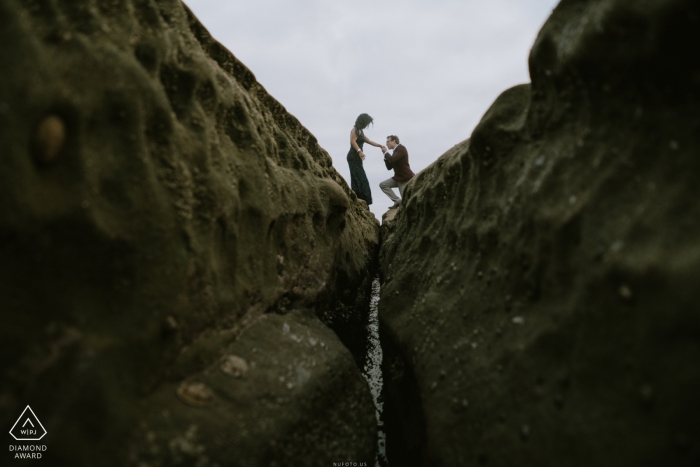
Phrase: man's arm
x=399 y=153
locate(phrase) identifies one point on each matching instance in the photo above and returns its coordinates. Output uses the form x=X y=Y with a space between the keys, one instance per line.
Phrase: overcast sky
x=425 y=71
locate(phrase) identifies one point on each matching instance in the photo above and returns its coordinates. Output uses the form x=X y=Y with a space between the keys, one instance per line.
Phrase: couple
x=398 y=161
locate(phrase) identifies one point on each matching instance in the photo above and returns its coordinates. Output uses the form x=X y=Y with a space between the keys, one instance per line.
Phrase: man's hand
x=384 y=149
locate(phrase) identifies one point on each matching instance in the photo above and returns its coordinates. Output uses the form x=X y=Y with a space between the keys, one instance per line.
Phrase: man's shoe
x=396 y=205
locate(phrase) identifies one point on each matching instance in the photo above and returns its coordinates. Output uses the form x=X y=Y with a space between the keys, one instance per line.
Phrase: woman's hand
x=362 y=155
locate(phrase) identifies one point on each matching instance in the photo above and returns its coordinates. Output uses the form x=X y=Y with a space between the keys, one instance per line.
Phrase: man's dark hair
x=362 y=121
x=393 y=138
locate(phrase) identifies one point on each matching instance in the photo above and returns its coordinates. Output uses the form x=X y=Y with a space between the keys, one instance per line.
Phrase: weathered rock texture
x=169 y=238
x=540 y=294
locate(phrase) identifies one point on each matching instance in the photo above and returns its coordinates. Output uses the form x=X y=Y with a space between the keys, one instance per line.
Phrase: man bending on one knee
x=402 y=171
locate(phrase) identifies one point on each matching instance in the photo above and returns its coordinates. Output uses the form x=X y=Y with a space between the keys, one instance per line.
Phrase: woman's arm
x=369 y=141
x=353 y=143
x=353 y=140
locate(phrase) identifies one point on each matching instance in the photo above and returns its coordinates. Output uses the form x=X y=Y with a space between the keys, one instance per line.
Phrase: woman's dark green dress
x=358 y=177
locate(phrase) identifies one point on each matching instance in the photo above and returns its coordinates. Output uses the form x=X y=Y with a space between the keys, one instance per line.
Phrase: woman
x=358 y=178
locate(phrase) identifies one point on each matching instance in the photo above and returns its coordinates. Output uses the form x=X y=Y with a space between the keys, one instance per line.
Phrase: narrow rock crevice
x=373 y=371
x=403 y=417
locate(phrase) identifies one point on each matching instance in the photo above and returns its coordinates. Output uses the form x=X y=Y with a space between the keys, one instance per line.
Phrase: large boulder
x=540 y=300
x=171 y=241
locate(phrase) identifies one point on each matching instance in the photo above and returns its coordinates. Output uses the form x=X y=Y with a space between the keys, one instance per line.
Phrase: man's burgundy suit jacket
x=399 y=161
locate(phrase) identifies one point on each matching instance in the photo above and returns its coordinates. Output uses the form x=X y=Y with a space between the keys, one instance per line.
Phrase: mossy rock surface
x=156 y=203
x=539 y=300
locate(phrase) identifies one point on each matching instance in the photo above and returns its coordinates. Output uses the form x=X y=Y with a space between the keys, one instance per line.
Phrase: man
x=402 y=171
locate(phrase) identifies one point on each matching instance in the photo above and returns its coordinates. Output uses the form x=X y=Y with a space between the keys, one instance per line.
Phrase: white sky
x=425 y=71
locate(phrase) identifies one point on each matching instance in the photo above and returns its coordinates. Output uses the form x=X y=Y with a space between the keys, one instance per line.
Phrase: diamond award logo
x=28 y=427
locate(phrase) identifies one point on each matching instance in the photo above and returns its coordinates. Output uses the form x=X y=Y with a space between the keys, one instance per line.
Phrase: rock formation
x=171 y=241
x=540 y=301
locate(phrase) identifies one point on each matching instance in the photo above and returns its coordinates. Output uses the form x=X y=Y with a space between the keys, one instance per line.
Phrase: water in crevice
x=373 y=371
